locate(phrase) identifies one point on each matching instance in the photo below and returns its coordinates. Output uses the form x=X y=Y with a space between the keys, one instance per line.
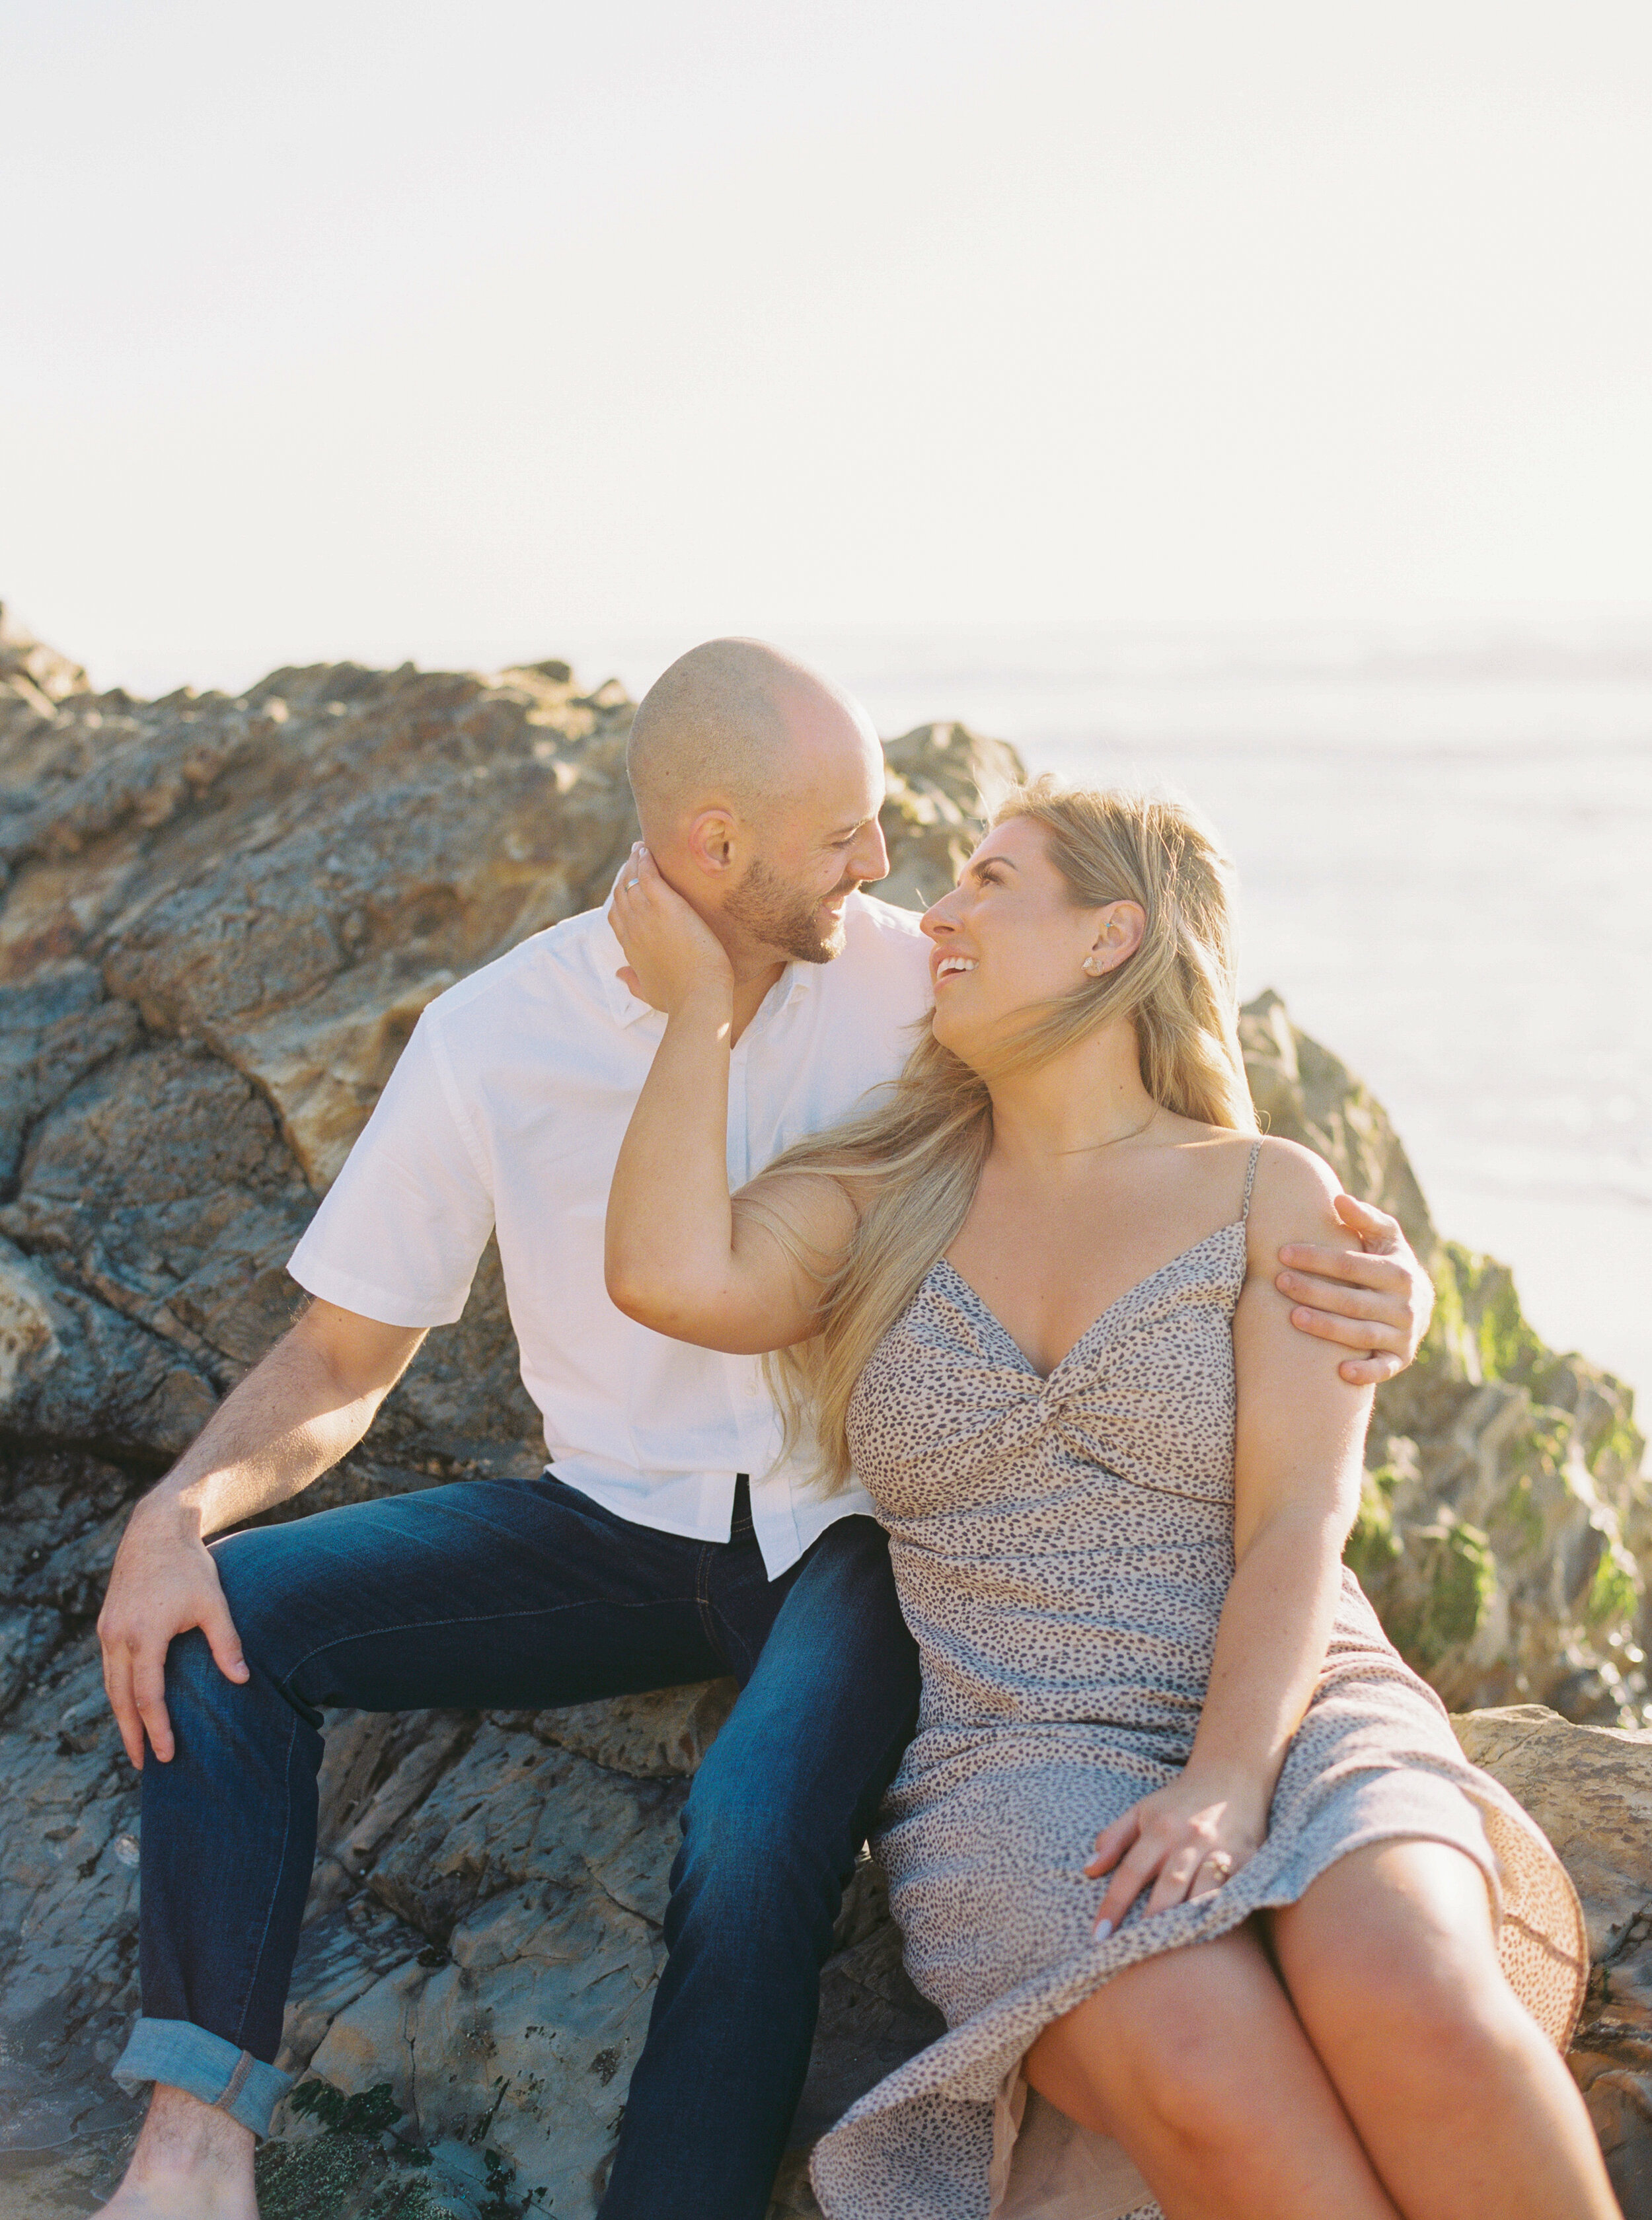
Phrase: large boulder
x=220 y=920
x=1590 y=1789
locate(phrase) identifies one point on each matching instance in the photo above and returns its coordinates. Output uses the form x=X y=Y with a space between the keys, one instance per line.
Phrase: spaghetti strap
x=1250 y=1181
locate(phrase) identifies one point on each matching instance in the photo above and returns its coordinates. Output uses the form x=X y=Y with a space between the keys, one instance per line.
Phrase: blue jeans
x=517 y=1594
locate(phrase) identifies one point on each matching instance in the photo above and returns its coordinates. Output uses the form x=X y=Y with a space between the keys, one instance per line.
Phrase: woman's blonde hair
x=911 y=1164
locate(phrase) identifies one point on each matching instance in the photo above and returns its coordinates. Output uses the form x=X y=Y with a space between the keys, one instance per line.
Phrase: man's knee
x=261 y=1576
x=733 y=1830
x=757 y=1856
x=192 y=1673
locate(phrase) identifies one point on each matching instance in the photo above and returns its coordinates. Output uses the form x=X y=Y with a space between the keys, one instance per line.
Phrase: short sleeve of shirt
x=399 y=1233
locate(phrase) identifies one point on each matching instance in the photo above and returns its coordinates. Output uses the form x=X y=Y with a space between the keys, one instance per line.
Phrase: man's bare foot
x=189 y=2163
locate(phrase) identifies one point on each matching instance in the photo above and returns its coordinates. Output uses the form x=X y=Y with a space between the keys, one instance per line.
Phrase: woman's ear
x=1119 y=935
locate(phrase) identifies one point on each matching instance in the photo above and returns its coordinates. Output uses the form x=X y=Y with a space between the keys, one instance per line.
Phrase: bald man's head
x=757 y=785
x=726 y=724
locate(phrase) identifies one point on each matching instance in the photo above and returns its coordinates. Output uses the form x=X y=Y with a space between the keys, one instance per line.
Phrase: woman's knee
x=1403 y=1971
x=1203 y=2083
x=1434 y=2021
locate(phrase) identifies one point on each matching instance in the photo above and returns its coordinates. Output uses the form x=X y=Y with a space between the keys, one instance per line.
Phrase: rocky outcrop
x=221 y=918
x=1505 y=1533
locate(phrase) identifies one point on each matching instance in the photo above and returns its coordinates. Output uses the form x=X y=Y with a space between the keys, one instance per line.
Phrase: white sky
x=465 y=332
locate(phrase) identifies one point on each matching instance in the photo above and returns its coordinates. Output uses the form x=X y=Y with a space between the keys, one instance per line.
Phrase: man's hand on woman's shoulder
x=1377 y=1300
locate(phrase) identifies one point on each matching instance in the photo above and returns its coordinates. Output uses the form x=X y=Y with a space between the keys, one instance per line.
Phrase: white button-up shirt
x=506 y=1111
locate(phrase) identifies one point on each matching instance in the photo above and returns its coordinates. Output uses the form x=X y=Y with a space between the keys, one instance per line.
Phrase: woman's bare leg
x=1461 y=2100
x=1195 y=2061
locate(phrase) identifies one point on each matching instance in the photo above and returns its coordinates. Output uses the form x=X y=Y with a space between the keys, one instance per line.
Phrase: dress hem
x=986 y=2076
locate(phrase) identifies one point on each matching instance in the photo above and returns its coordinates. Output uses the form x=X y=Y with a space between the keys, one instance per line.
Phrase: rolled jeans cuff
x=186 y=2057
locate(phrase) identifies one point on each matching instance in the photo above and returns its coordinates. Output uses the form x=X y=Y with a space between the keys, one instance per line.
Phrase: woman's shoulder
x=1289 y=1182
x=1293 y=1192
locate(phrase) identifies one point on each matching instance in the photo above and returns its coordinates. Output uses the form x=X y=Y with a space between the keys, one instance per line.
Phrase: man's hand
x=1378 y=1302
x=298 y=1411
x=164 y=1582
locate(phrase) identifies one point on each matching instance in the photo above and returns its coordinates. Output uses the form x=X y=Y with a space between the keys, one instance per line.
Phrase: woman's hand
x=672 y=955
x=1187 y=1838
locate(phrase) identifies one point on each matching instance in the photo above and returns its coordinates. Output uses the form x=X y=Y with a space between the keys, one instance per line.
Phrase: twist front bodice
x=1102 y=1495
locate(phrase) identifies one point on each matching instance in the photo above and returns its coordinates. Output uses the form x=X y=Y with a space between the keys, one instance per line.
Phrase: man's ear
x=712 y=840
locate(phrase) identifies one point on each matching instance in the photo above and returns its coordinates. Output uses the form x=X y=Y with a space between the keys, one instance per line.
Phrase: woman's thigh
x=1157 y=2028
x=1196 y=2063
x=1463 y=2103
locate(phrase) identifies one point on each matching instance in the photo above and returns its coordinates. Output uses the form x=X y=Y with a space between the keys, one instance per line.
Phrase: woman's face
x=1010 y=934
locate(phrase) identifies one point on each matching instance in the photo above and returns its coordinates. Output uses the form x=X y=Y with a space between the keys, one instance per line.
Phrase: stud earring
x=1092 y=967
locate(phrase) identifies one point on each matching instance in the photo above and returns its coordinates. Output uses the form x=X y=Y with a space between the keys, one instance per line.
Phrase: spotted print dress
x=1062 y=1548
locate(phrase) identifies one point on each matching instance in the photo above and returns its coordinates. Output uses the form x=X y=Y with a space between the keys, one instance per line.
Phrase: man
x=665 y=1542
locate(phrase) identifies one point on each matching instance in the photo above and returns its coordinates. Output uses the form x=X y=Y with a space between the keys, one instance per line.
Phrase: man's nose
x=871 y=858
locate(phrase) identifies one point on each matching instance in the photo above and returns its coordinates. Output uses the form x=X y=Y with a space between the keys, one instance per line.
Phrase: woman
x=1180 y=1843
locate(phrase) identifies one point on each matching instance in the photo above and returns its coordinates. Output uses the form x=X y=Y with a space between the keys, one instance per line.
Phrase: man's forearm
x=286 y=1424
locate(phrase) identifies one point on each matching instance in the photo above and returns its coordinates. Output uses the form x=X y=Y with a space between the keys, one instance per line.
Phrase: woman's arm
x=1300 y=1438
x=683 y=1255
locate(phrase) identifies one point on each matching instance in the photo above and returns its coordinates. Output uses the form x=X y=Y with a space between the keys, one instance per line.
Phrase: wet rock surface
x=219 y=921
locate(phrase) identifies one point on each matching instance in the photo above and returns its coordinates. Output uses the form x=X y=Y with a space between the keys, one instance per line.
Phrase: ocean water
x=1444 y=839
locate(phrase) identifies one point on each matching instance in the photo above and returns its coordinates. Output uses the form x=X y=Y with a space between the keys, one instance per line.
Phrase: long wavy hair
x=911 y=1164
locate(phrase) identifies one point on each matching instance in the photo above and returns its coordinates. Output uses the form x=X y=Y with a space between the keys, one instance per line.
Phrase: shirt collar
x=797 y=982
x=624 y=1007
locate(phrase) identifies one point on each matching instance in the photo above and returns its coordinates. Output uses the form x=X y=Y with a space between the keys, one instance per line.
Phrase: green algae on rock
x=1505 y=1530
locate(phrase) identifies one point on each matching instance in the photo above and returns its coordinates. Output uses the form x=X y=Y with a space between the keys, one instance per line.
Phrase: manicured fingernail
x=1103 y=1928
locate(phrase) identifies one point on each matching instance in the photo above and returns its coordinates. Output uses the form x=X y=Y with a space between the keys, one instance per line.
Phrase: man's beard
x=778 y=917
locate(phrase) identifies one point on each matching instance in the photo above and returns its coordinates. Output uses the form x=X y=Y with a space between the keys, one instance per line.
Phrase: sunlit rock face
x=1506 y=1532
x=219 y=921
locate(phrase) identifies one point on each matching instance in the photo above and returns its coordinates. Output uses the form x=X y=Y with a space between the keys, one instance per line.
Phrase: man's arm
x=1378 y=1299
x=300 y=1410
